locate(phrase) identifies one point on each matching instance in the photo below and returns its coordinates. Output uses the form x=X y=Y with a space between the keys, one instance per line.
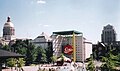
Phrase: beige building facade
x=83 y=47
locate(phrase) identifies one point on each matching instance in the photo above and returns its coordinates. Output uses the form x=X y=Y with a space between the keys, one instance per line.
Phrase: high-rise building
x=108 y=34
x=83 y=48
x=108 y=38
x=8 y=30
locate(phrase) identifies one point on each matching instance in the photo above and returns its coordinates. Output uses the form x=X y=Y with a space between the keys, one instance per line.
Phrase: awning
x=8 y=54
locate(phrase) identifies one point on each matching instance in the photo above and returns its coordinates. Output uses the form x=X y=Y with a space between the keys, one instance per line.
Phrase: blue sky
x=31 y=17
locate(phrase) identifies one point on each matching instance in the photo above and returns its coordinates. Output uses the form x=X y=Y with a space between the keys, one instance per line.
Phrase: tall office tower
x=8 y=30
x=63 y=44
x=108 y=34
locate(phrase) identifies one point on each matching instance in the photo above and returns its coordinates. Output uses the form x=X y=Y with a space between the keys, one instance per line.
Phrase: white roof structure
x=46 y=36
x=65 y=59
x=43 y=35
x=8 y=23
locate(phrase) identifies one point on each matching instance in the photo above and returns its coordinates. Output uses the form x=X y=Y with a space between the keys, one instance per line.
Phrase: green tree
x=109 y=62
x=6 y=47
x=25 y=47
x=30 y=52
x=41 y=55
x=19 y=47
x=20 y=63
x=118 y=56
x=49 y=53
x=53 y=58
x=91 y=66
x=11 y=62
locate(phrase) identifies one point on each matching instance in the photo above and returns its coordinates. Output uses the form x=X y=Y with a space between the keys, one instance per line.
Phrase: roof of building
x=8 y=54
x=8 y=23
x=43 y=35
x=67 y=32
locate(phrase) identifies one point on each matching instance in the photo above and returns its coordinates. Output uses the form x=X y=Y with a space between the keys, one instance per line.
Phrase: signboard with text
x=68 y=49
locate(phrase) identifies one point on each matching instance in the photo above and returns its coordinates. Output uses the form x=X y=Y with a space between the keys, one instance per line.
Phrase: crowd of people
x=65 y=67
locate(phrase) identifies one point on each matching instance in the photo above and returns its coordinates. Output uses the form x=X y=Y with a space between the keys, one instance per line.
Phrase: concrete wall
x=88 y=49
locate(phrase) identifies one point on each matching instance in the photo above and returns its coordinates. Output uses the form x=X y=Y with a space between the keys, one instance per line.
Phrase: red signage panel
x=68 y=49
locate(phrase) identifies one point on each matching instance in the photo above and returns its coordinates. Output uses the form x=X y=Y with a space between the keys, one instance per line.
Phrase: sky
x=32 y=17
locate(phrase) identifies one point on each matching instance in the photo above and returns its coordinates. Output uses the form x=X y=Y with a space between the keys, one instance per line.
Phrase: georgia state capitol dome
x=8 y=32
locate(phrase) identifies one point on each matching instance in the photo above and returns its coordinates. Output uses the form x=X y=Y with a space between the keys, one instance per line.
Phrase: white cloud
x=41 y=1
x=46 y=25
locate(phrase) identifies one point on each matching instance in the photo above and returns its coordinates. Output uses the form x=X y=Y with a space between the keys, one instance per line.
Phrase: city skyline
x=32 y=17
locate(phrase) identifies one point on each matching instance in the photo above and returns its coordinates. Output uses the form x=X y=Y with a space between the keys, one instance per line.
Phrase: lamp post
x=74 y=48
x=0 y=64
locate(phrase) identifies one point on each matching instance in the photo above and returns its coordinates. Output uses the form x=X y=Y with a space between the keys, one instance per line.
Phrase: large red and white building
x=83 y=48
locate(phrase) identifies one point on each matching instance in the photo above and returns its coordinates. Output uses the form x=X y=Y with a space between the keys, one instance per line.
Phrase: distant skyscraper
x=8 y=30
x=108 y=34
